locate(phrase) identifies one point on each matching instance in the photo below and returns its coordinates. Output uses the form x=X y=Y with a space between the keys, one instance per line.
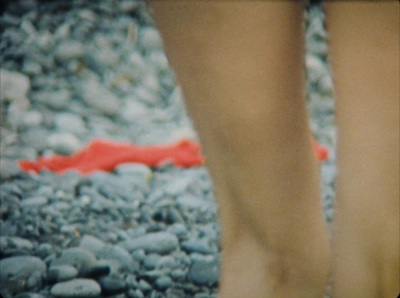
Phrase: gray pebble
x=112 y=285
x=135 y=170
x=31 y=67
x=163 y=282
x=191 y=202
x=151 y=261
x=149 y=38
x=159 y=242
x=139 y=255
x=117 y=253
x=55 y=99
x=204 y=272
x=201 y=246
x=144 y=285
x=61 y=273
x=14 y=88
x=69 y=49
x=100 y=98
x=82 y=259
x=8 y=168
x=21 y=273
x=14 y=246
x=79 y=287
x=63 y=143
x=30 y=295
x=69 y=122
x=91 y=243
x=34 y=202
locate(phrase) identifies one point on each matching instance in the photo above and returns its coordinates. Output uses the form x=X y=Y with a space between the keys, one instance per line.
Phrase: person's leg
x=240 y=64
x=364 y=40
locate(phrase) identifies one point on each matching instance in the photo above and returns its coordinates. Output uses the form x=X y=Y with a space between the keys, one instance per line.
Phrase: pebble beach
x=72 y=71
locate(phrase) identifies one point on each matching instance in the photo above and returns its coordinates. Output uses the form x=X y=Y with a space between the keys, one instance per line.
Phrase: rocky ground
x=75 y=70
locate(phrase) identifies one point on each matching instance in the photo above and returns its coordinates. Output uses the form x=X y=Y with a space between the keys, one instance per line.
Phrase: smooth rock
x=8 y=168
x=159 y=242
x=63 y=143
x=83 y=260
x=76 y=288
x=112 y=285
x=69 y=49
x=149 y=38
x=163 y=282
x=14 y=88
x=100 y=98
x=15 y=246
x=117 y=253
x=68 y=122
x=91 y=243
x=57 y=99
x=21 y=273
x=61 y=273
x=151 y=261
x=204 y=272
x=34 y=202
x=32 y=68
x=201 y=246
x=30 y=295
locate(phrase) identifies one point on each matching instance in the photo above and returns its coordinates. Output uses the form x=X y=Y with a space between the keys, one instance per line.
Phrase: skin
x=243 y=83
x=364 y=40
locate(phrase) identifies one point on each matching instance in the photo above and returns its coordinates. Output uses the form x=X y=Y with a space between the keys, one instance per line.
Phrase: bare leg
x=240 y=64
x=364 y=40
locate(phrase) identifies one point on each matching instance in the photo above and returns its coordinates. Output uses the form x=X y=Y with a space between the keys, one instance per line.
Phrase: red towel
x=106 y=155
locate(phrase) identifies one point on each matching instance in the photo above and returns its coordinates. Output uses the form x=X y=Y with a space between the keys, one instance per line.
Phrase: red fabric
x=321 y=152
x=105 y=155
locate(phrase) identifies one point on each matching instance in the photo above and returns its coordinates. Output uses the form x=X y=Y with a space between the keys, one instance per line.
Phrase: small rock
x=151 y=261
x=163 y=282
x=55 y=99
x=201 y=246
x=144 y=285
x=139 y=255
x=61 y=273
x=83 y=260
x=8 y=168
x=135 y=170
x=32 y=68
x=112 y=285
x=63 y=143
x=70 y=123
x=91 y=243
x=190 y=202
x=149 y=38
x=29 y=295
x=100 y=98
x=14 y=88
x=34 y=202
x=114 y=252
x=159 y=242
x=204 y=272
x=15 y=246
x=76 y=288
x=21 y=273
x=69 y=49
